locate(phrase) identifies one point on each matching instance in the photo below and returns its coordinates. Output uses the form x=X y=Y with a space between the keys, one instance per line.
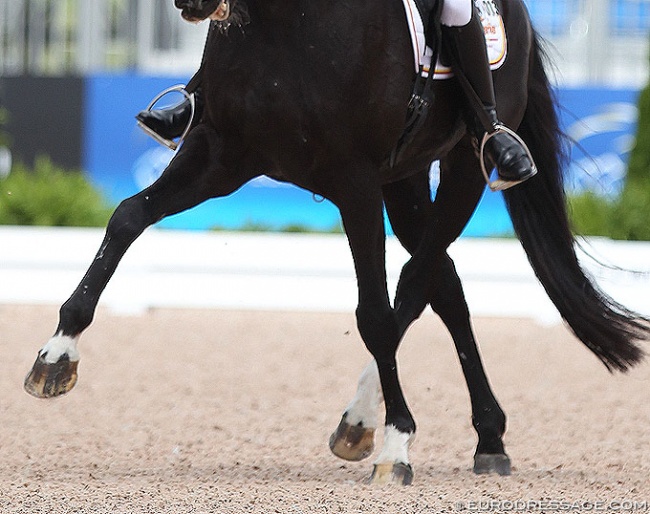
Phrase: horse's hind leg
x=459 y=191
x=407 y=203
x=354 y=438
x=192 y=177
x=489 y=420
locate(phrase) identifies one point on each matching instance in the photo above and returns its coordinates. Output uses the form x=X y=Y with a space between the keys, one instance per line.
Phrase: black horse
x=315 y=93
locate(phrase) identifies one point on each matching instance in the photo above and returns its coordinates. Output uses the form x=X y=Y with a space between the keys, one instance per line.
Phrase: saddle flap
x=423 y=35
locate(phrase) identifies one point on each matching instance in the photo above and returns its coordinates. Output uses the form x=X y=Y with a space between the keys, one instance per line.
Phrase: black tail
x=539 y=215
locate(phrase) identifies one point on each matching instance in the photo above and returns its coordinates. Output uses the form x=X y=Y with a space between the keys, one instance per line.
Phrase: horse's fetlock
x=490 y=429
x=129 y=220
x=405 y=424
x=74 y=317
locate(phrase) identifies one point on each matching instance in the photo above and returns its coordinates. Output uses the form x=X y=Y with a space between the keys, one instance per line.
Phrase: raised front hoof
x=352 y=442
x=485 y=463
x=389 y=473
x=47 y=380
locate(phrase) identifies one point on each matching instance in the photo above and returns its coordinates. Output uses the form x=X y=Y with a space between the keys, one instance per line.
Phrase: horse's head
x=199 y=10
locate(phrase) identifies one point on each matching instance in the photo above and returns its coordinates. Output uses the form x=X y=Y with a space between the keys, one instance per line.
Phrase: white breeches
x=457 y=13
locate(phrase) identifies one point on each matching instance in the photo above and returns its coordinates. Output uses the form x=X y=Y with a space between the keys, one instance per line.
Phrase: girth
x=422 y=96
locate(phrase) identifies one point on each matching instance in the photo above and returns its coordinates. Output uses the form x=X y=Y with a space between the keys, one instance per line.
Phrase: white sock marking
x=364 y=407
x=60 y=345
x=396 y=446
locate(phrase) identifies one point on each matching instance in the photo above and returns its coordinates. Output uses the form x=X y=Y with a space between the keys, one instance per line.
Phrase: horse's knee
x=379 y=330
x=129 y=219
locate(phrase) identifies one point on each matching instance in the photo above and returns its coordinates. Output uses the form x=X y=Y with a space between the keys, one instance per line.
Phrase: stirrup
x=500 y=184
x=170 y=143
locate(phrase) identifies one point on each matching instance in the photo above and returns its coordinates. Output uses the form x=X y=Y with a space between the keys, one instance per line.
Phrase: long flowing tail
x=539 y=215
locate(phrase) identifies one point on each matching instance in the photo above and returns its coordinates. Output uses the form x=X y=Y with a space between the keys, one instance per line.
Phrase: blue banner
x=601 y=126
x=122 y=160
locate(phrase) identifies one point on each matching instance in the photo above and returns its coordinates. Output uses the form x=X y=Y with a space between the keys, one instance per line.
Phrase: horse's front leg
x=361 y=211
x=192 y=177
x=55 y=370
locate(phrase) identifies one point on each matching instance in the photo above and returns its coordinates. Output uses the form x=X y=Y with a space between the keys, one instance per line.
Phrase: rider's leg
x=465 y=37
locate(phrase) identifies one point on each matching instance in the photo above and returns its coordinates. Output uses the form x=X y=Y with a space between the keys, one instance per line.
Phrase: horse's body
x=315 y=93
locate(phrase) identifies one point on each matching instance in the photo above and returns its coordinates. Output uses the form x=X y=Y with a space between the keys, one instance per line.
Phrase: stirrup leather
x=170 y=143
x=500 y=184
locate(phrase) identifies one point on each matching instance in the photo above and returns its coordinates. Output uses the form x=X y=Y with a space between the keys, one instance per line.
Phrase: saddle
x=432 y=63
x=426 y=9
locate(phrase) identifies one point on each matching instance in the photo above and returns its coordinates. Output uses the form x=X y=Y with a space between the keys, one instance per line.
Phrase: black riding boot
x=171 y=122
x=505 y=152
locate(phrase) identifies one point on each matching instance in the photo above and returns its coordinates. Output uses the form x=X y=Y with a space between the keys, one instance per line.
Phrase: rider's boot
x=169 y=123
x=504 y=151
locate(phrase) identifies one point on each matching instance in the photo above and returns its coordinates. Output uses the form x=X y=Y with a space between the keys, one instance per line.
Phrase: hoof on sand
x=492 y=463
x=352 y=443
x=47 y=380
x=389 y=473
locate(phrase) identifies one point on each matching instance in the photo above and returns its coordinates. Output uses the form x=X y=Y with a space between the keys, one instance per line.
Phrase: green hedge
x=627 y=217
x=639 y=165
x=50 y=196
